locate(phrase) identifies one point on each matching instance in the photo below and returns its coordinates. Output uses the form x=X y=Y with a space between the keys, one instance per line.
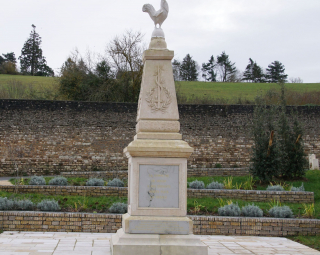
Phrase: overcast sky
x=265 y=30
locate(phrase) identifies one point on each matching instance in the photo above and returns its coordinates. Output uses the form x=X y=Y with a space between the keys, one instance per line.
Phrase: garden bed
x=97 y=191
x=110 y=223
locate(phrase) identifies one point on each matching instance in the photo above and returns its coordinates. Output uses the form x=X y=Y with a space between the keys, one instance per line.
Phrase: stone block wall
x=247 y=195
x=110 y=223
x=45 y=137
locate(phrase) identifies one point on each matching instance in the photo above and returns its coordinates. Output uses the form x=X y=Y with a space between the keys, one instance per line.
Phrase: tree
x=188 y=69
x=8 y=63
x=226 y=67
x=208 y=70
x=275 y=72
x=253 y=72
x=31 y=60
x=125 y=54
x=176 y=69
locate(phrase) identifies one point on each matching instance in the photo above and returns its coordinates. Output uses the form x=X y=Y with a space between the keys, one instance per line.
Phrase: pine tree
x=208 y=70
x=176 y=69
x=188 y=69
x=227 y=68
x=253 y=72
x=31 y=60
x=275 y=72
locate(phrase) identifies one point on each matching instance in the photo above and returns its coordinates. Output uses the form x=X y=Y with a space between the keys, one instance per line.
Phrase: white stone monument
x=313 y=162
x=157 y=222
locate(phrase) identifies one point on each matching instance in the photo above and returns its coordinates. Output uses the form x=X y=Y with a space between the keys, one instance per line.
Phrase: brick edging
x=248 y=195
x=110 y=223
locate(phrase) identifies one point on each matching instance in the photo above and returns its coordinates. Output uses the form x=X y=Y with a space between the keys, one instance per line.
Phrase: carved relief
x=159 y=97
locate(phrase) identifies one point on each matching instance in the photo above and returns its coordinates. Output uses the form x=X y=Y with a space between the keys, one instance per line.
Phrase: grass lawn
x=310 y=241
x=236 y=90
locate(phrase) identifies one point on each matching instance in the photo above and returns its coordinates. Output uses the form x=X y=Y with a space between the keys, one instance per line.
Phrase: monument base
x=138 y=244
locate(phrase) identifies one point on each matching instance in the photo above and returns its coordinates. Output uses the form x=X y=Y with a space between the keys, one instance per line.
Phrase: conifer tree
x=31 y=60
x=208 y=70
x=227 y=68
x=275 y=72
x=253 y=72
x=188 y=69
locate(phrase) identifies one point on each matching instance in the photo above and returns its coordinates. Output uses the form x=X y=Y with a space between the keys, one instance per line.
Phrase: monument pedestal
x=157 y=222
x=144 y=244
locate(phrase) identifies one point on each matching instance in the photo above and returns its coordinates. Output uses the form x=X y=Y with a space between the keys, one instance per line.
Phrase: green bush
x=24 y=205
x=59 y=181
x=6 y=204
x=115 y=183
x=48 y=205
x=196 y=185
x=281 y=212
x=251 y=211
x=301 y=188
x=37 y=180
x=229 y=210
x=95 y=182
x=215 y=185
x=118 y=208
x=275 y=188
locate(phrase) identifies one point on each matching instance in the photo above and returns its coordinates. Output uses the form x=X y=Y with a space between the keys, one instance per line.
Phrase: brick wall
x=109 y=223
x=46 y=137
x=248 y=195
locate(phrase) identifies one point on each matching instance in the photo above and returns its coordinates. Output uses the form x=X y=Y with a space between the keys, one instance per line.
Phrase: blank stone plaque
x=159 y=186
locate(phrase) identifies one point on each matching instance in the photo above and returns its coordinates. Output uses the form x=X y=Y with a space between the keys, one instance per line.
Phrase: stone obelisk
x=157 y=222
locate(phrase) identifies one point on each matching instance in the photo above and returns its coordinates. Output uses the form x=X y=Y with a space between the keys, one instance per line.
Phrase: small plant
x=59 y=181
x=235 y=166
x=238 y=186
x=115 y=183
x=309 y=210
x=218 y=165
x=22 y=181
x=281 y=212
x=222 y=202
x=275 y=188
x=229 y=210
x=215 y=185
x=197 y=207
x=37 y=180
x=248 y=185
x=228 y=183
x=274 y=203
x=118 y=208
x=24 y=205
x=6 y=204
x=251 y=211
x=48 y=205
x=301 y=188
x=95 y=182
x=196 y=184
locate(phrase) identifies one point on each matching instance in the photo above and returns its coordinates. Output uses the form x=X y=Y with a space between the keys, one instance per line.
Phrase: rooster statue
x=158 y=17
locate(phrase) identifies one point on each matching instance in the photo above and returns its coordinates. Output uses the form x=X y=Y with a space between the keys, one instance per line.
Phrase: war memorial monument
x=157 y=222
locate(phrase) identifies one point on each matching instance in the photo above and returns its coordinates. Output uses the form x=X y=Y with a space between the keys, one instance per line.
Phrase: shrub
x=281 y=212
x=251 y=211
x=118 y=208
x=275 y=188
x=215 y=185
x=59 y=181
x=6 y=204
x=301 y=188
x=24 y=205
x=95 y=182
x=115 y=183
x=48 y=205
x=196 y=184
x=37 y=180
x=229 y=210
x=218 y=165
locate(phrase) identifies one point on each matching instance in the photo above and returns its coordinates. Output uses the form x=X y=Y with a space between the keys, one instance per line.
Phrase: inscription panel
x=159 y=186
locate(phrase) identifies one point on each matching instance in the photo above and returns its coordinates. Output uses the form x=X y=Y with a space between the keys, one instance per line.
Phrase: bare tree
x=296 y=80
x=125 y=53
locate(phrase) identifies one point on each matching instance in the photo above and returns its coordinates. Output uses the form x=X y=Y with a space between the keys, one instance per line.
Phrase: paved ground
x=5 y=181
x=55 y=243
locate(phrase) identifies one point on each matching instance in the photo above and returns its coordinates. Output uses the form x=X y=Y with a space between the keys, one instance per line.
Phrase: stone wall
x=45 y=137
x=110 y=223
x=247 y=195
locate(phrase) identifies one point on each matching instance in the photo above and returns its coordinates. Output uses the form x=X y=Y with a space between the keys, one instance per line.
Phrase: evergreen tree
x=8 y=63
x=227 y=68
x=275 y=72
x=31 y=59
x=208 y=70
x=253 y=72
x=188 y=69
